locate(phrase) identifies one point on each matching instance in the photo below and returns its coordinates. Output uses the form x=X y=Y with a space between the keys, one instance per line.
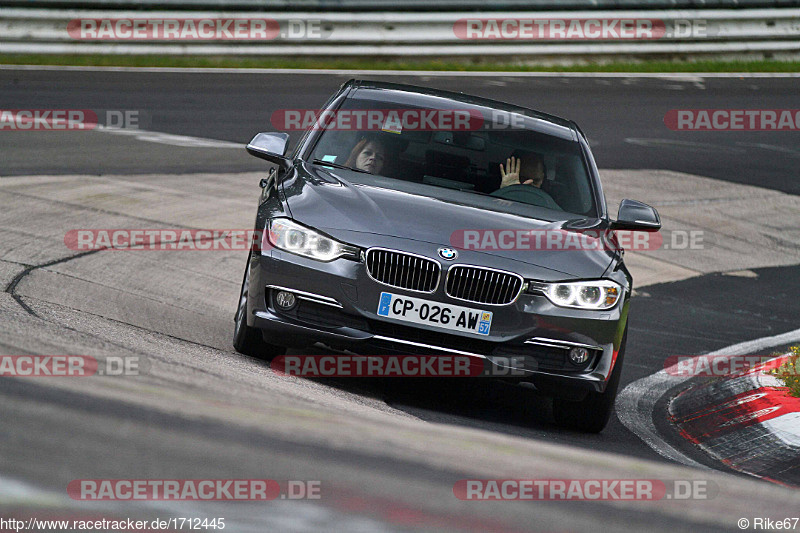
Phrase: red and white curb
x=750 y=422
x=635 y=405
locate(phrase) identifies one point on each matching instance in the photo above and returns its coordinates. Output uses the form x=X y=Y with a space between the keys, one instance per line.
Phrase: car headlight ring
x=287 y=235
x=600 y=295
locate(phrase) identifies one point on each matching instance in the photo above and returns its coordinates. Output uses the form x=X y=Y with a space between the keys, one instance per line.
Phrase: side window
x=335 y=146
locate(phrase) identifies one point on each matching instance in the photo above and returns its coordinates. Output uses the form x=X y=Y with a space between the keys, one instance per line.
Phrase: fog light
x=285 y=300
x=578 y=356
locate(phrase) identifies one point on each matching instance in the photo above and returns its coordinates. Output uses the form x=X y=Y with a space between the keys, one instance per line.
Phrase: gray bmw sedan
x=417 y=221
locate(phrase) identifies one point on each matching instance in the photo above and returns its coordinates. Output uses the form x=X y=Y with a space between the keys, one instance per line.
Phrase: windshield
x=457 y=146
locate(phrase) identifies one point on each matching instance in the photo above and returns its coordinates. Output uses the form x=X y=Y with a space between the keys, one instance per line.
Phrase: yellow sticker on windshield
x=393 y=123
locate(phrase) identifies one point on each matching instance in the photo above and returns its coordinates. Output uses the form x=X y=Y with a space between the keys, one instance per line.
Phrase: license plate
x=445 y=316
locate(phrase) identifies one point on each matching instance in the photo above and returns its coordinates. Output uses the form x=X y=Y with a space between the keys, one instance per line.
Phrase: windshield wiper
x=336 y=165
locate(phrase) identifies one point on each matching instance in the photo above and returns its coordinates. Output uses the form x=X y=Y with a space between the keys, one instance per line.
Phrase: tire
x=591 y=414
x=247 y=340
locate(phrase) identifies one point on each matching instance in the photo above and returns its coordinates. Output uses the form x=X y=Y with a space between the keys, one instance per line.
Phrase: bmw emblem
x=447 y=254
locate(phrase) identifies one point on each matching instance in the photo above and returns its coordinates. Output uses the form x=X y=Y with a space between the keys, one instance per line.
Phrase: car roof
x=388 y=91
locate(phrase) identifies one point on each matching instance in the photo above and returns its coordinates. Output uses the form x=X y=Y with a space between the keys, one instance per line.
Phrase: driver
x=368 y=154
x=526 y=169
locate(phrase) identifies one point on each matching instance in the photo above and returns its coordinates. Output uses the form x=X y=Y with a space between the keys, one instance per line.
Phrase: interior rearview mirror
x=636 y=216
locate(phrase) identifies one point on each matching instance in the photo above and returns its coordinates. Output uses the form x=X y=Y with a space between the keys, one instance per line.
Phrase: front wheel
x=247 y=340
x=593 y=412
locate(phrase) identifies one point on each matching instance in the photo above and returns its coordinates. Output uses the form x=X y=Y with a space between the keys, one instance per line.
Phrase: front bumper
x=529 y=339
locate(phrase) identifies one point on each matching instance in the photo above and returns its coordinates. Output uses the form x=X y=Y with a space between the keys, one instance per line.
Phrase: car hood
x=341 y=202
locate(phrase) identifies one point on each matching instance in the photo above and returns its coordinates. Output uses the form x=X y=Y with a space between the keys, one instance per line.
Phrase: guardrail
x=416 y=5
x=512 y=36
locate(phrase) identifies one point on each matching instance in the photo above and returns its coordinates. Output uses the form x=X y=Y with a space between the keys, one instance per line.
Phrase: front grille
x=483 y=285
x=401 y=270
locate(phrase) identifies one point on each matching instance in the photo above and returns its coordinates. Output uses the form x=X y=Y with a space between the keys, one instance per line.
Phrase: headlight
x=601 y=294
x=288 y=235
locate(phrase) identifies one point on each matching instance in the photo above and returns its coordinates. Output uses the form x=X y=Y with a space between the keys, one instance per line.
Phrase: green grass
x=380 y=64
x=789 y=372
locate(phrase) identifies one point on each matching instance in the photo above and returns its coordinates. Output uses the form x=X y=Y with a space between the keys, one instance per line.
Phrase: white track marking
x=15 y=492
x=793 y=152
x=785 y=427
x=634 y=405
x=634 y=408
x=691 y=146
x=171 y=139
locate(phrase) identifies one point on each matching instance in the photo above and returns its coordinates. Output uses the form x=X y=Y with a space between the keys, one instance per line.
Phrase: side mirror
x=636 y=216
x=270 y=146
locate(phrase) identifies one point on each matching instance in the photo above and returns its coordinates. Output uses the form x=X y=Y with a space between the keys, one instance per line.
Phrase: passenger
x=368 y=155
x=526 y=169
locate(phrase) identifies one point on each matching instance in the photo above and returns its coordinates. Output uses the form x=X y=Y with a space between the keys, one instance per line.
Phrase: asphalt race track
x=386 y=453
x=622 y=116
